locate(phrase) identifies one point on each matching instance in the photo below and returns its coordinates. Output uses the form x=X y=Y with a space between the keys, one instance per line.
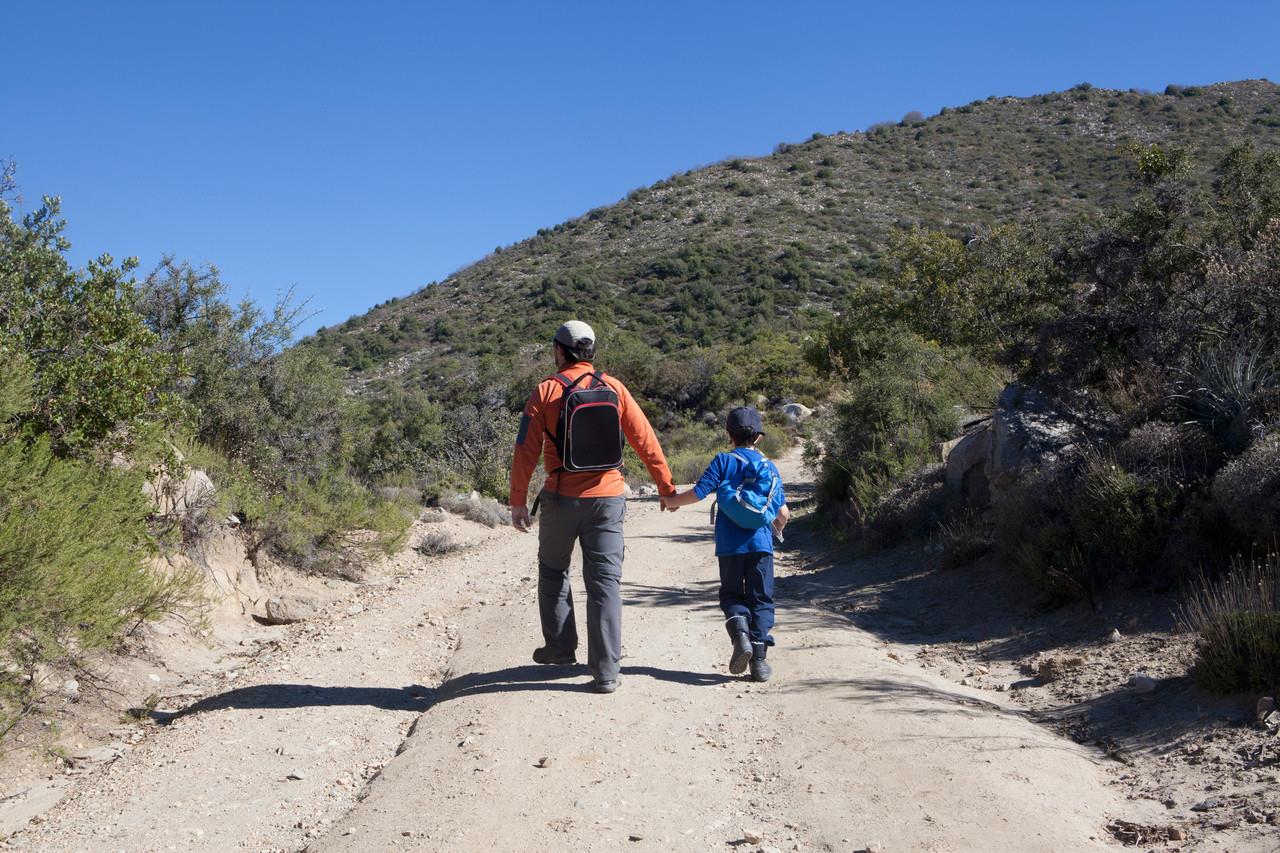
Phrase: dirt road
x=414 y=720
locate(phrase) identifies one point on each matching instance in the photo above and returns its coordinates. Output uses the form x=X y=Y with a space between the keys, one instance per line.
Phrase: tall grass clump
x=1237 y=619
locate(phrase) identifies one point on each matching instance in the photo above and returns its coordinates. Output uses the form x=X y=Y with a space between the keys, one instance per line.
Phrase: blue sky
x=357 y=151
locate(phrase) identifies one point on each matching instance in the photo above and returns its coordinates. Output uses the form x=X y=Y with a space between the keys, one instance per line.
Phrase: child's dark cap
x=744 y=422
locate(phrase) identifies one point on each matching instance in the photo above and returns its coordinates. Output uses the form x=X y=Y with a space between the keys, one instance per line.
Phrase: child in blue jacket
x=745 y=556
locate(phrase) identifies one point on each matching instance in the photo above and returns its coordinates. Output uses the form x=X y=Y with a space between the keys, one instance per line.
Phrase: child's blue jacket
x=730 y=538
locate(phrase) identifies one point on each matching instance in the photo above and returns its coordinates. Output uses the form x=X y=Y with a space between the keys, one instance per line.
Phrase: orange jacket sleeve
x=528 y=448
x=641 y=437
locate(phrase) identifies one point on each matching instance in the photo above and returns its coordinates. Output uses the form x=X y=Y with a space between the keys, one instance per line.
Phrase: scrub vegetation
x=1118 y=248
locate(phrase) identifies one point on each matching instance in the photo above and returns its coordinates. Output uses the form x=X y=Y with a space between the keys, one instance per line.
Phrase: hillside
x=695 y=259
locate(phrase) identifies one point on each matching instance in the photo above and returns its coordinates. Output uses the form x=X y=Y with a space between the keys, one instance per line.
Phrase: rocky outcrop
x=1024 y=433
x=1027 y=433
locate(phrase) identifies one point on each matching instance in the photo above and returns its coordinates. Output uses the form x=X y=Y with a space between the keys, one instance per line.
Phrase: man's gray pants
x=597 y=524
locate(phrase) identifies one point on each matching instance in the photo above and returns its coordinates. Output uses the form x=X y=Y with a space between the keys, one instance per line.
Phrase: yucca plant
x=1230 y=375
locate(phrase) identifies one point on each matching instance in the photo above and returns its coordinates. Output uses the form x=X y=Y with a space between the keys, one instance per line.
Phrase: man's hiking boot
x=760 y=669
x=737 y=628
x=604 y=686
x=545 y=656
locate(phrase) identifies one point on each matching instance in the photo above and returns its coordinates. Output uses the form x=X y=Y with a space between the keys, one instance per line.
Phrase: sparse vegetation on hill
x=696 y=264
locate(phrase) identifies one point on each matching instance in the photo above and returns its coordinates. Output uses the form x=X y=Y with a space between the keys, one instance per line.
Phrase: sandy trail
x=429 y=694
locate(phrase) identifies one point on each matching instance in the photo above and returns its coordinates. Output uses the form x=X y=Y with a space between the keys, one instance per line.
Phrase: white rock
x=796 y=412
x=1114 y=636
x=1142 y=683
x=355 y=609
x=752 y=836
x=71 y=688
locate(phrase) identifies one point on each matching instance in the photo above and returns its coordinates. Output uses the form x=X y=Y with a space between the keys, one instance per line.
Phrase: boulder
x=1027 y=434
x=286 y=609
x=796 y=412
x=967 y=459
x=192 y=495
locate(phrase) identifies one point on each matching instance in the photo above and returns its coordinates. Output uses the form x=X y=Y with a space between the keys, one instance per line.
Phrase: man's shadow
x=515 y=679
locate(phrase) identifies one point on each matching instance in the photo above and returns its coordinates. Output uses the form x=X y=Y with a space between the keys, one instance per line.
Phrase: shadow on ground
x=516 y=679
x=985 y=612
x=277 y=697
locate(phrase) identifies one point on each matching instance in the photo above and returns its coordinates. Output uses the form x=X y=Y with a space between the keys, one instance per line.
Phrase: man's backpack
x=748 y=498
x=589 y=432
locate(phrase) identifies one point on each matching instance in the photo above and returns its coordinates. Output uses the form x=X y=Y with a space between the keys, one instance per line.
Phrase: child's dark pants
x=746 y=589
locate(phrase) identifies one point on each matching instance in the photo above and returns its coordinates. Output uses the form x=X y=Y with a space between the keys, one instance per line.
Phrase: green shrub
x=1177 y=455
x=903 y=397
x=911 y=508
x=330 y=524
x=1238 y=621
x=1247 y=491
x=97 y=372
x=1119 y=519
x=74 y=572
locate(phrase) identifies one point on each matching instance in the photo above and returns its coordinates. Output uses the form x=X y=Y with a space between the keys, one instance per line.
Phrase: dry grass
x=438 y=544
x=1238 y=620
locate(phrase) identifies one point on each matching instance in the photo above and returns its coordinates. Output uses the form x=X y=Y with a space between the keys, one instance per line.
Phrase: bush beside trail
x=1152 y=330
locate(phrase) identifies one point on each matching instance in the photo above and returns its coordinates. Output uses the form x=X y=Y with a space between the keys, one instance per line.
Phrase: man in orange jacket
x=580 y=506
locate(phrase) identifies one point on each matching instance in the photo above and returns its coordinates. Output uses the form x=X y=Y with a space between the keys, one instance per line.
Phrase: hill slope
x=713 y=255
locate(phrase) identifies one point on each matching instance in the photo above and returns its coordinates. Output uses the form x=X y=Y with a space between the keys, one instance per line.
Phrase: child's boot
x=741 y=638
x=760 y=669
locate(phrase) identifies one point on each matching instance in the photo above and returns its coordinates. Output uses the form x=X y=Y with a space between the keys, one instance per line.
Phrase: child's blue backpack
x=748 y=498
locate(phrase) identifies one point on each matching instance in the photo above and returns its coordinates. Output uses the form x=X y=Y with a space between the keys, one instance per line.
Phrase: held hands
x=520 y=518
x=665 y=505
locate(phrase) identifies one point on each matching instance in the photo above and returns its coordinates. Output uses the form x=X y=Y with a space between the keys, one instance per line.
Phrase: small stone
x=1177 y=834
x=1142 y=683
x=751 y=836
x=1251 y=816
x=355 y=609
x=350 y=830
x=1265 y=706
x=71 y=688
x=287 y=609
x=296 y=776
x=981 y=670
x=1206 y=805
x=634 y=837
x=1115 y=636
x=544 y=762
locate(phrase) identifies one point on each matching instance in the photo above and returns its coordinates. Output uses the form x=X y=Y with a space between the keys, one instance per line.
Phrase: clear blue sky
x=357 y=151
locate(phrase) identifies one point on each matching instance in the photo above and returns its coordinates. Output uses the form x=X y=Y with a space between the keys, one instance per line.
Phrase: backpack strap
x=568 y=383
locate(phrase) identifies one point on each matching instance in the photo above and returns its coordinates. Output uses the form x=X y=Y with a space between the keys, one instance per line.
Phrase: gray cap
x=576 y=334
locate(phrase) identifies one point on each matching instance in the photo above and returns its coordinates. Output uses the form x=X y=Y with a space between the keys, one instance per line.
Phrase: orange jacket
x=543 y=411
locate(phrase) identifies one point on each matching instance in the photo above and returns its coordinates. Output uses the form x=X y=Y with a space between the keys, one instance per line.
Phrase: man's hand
x=520 y=518
x=665 y=506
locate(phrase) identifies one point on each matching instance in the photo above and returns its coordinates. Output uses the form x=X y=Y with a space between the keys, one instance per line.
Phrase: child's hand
x=666 y=507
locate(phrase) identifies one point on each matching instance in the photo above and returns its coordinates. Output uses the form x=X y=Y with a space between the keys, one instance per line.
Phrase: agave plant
x=1230 y=375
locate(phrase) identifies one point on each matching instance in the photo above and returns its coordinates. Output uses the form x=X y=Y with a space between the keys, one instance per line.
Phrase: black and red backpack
x=588 y=433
